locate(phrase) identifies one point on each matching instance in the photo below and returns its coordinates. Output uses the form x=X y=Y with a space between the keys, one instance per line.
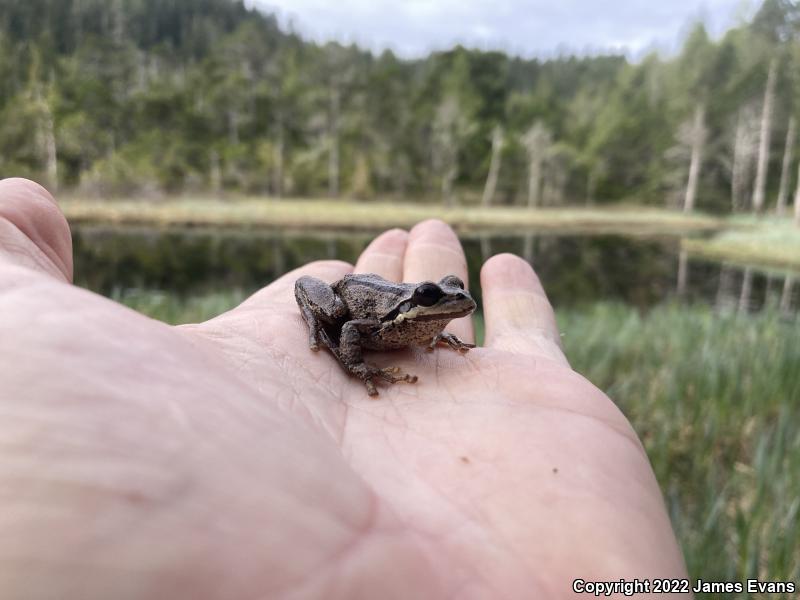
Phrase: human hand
x=226 y=460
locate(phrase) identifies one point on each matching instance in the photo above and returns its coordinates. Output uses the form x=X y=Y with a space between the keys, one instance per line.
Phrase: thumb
x=33 y=231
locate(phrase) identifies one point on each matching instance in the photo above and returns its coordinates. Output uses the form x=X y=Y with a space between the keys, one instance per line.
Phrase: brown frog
x=368 y=312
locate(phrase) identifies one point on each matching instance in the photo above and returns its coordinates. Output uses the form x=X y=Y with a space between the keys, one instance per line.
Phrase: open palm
x=226 y=460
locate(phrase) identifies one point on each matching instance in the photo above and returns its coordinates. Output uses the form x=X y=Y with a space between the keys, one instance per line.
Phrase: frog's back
x=369 y=296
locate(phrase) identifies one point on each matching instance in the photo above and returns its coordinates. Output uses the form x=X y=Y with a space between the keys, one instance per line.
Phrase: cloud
x=413 y=28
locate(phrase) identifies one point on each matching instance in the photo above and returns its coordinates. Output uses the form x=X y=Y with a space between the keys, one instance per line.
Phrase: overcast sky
x=526 y=27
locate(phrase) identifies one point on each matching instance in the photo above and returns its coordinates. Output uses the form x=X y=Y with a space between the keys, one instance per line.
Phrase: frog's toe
x=313 y=341
x=369 y=375
x=453 y=342
x=395 y=375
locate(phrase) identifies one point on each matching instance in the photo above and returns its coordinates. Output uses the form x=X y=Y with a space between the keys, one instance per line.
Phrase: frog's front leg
x=450 y=340
x=350 y=355
x=318 y=304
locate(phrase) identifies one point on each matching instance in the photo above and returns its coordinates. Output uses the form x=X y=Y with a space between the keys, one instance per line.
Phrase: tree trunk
x=448 y=179
x=333 y=154
x=763 y=146
x=494 y=167
x=215 y=174
x=591 y=187
x=535 y=182
x=698 y=137
x=783 y=192
x=77 y=16
x=742 y=162
x=744 y=151
x=50 y=148
x=554 y=182
x=233 y=126
x=278 y=158
x=278 y=258
x=537 y=141
x=797 y=199
x=118 y=22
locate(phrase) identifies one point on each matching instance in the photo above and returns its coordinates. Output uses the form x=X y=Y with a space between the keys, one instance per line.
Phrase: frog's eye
x=453 y=281
x=428 y=294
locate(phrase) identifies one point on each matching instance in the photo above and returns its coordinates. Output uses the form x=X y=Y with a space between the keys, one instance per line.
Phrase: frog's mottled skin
x=367 y=311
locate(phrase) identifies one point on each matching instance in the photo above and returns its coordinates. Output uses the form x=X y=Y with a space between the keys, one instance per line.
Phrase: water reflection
x=786 y=295
x=574 y=269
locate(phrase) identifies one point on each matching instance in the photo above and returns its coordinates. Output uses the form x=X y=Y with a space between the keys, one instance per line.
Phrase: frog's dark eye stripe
x=428 y=294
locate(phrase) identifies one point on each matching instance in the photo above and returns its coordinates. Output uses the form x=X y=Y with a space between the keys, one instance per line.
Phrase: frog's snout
x=468 y=300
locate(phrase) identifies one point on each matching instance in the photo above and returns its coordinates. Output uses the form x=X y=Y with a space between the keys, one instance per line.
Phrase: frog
x=367 y=312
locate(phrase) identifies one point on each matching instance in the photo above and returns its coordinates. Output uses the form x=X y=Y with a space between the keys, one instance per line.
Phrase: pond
x=575 y=269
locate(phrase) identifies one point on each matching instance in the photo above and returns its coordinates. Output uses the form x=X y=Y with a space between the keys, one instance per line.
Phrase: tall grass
x=174 y=309
x=716 y=401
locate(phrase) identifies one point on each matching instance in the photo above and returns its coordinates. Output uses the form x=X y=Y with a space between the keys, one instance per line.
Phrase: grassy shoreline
x=766 y=241
x=348 y=215
x=762 y=242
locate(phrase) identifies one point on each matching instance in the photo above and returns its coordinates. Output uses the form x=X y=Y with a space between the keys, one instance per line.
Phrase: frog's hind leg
x=350 y=355
x=319 y=305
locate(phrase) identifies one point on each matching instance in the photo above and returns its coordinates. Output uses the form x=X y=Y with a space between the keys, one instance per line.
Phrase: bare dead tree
x=233 y=126
x=448 y=127
x=745 y=145
x=45 y=134
x=537 y=141
x=685 y=156
x=215 y=172
x=697 y=139
x=555 y=178
x=278 y=155
x=786 y=167
x=489 y=189
x=333 y=140
x=596 y=171
x=764 y=139
x=797 y=199
x=50 y=147
x=117 y=22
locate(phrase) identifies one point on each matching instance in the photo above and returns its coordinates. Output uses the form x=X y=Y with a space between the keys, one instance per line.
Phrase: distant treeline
x=132 y=97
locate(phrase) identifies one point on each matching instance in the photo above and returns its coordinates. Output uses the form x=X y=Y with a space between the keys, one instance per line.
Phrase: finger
x=33 y=231
x=281 y=291
x=518 y=314
x=434 y=251
x=384 y=256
